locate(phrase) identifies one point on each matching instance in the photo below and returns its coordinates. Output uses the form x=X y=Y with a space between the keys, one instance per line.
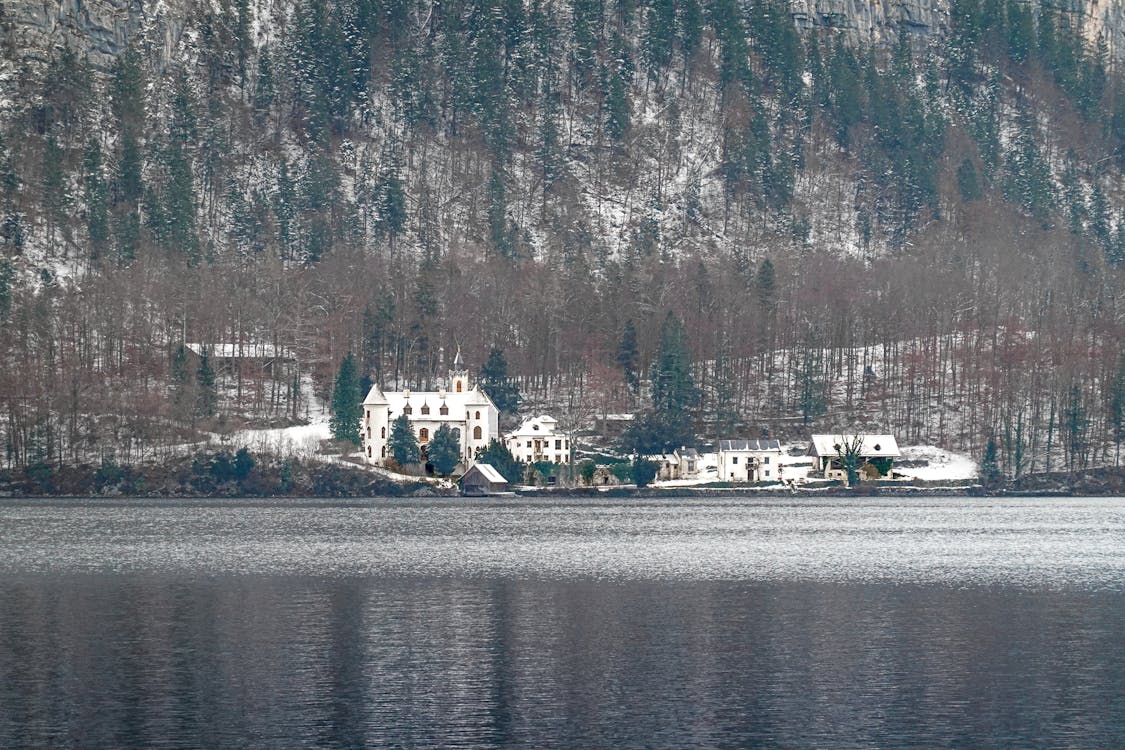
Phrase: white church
x=462 y=405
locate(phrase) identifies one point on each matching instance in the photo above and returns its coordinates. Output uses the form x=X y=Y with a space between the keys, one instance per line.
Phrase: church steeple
x=458 y=375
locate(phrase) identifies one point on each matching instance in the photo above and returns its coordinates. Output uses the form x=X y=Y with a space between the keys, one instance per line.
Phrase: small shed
x=483 y=479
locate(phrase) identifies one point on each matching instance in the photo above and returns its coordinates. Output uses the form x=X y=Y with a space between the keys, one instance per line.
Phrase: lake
x=874 y=622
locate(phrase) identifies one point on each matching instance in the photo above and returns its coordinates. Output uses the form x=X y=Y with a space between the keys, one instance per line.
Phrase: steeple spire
x=458 y=375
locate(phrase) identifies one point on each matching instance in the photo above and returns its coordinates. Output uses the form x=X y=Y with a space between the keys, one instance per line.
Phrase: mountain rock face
x=879 y=20
x=99 y=29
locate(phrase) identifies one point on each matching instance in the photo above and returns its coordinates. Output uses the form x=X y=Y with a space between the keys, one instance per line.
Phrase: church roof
x=458 y=404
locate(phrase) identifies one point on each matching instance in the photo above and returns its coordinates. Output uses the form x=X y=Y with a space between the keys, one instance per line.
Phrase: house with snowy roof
x=458 y=403
x=483 y=479
x=875 y=454
x=749 y=460
x=539 y=439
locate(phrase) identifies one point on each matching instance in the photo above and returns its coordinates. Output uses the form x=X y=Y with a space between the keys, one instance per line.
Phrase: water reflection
x=89 y=661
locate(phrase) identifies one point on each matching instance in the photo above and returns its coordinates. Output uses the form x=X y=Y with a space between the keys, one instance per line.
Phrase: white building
x=538 y=439
x=876 y=454
x=749 y=460
x=460 y=404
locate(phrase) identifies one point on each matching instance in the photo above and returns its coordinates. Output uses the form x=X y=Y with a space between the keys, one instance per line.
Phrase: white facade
x=538 y=439
x=749 y=460
x=461 y=405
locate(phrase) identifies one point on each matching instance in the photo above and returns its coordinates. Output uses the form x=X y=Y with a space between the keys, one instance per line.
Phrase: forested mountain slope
x=911 y=221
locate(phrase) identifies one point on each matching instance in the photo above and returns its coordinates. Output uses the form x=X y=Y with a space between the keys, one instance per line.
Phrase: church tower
x=458 y=375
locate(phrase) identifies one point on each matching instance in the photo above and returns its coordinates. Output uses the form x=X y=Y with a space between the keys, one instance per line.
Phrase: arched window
x=457 y=434
x=384 y=451
x=476 y=432
x=457 y=386
x=478 y=415
x=383 y=432
x=423 y=435
x=369 y=451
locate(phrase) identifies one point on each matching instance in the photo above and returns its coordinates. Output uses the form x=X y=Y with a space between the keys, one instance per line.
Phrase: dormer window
x=443 y=410
x=425 y=408
x=407 y=409
x=535 y=427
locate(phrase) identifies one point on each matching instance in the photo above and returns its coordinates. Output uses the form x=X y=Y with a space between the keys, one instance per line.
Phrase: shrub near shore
x=205 y=474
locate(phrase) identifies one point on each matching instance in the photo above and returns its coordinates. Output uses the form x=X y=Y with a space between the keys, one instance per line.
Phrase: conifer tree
x=403 y=444
x=494 y=381
x=347 y=406
x=206 y=397
x=96 y=196
x=674 y=393
x=444 y=450
x=627 y=356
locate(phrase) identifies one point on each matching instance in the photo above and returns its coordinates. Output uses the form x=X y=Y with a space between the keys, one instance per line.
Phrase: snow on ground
x=943 y=465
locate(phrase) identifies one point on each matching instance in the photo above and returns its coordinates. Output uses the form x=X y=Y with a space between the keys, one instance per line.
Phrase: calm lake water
x=658 y=624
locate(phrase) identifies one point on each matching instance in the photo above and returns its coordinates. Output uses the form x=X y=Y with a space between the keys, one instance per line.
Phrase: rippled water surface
x=671 y=624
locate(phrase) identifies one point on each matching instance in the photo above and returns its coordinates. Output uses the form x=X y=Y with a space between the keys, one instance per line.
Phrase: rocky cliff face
x=99 y=29
x=879 y=20
x=29 y=29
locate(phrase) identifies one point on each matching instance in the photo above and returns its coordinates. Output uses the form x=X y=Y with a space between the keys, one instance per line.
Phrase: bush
x=643 y=471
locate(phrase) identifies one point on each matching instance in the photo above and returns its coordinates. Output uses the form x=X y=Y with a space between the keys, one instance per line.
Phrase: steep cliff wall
x=879 y=20
x=29 y=29
x=99 y=29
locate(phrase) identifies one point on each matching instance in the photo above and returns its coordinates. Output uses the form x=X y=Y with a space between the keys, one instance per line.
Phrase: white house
x=749 y=460
x=460 y=404
x=538 y=439
x=876 y=454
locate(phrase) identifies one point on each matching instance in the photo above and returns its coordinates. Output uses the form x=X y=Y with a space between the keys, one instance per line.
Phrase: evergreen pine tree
x=497 y=455
x=403 y=444
x=96 y=196
x=627 y=357
x=674 y=393
x=444 y=450
x=495 y=382
x=347 y=406
x=989 y=466
x=967 y=183
x=207 y=396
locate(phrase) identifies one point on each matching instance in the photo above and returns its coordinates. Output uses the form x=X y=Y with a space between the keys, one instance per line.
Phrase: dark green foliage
x=1075 y=429
x=990 y=474
x=390 y=202
x=967 y=182
x=627 y=357
x=183 y=396
x=497 y=455
x=96 y=196
x=1027 y=178
x=243 y=463
x=669 y=423
x=403 y=443
x=811 y=397
x=494 y=381
x=643 y=471
x=206 y=395
x=7 y=279
x=444 y=451
x=586 y=470
x=347 y=402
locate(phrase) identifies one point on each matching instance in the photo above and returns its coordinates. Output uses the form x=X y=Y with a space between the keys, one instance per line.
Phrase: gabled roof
x=687 y=452
x=772 y=446
x=872 y=446
x=459 y=404
x=488 y=471
x=536 y=427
